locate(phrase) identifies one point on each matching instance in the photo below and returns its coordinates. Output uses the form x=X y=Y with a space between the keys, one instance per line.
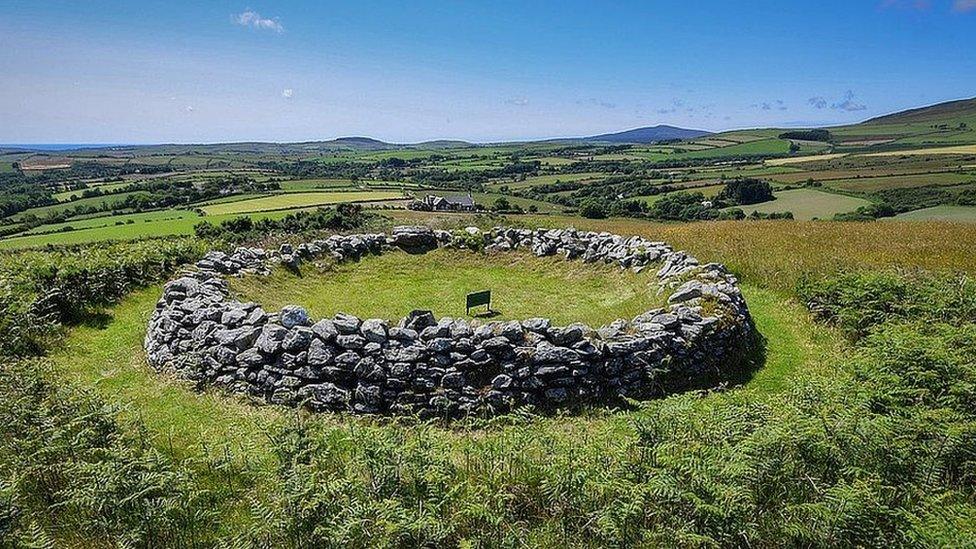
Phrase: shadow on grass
x=98 y=320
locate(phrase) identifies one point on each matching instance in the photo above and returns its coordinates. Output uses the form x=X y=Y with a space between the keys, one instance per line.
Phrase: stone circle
x=451 y=366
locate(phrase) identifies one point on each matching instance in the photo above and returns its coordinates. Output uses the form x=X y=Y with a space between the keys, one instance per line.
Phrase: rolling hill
x=650 y=134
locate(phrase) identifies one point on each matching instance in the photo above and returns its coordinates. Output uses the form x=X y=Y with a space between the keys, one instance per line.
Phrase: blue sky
x=186 y=71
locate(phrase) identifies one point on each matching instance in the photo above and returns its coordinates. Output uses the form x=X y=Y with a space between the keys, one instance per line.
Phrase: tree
x=502 y=204
x=746 y=191
x=593 y=209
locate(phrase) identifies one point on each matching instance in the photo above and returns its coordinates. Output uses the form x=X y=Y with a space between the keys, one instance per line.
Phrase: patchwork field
x=298 y=200
x=962 y=214
x=871 y=184
x=807 y=204
x=961 y=149
x=803 y=159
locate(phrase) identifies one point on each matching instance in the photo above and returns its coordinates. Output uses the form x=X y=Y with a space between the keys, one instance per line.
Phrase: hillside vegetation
x=858 y=429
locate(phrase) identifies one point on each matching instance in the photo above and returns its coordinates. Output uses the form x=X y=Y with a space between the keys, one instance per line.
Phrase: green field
x=523 y=286
x=144 y=225
x=65 y=196
x=547 y=180
x=808 y=204
x=99 y=202
x=871 y=184
x=298 y=200
x=962 y=214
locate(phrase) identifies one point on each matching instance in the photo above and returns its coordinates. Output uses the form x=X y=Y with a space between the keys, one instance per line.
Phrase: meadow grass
x=521 y=461
x=807 y=204
x=65 y=196
x=547 y=179
x=871 y=184
x=802 y=159
x=523 y=286
x=961 y=214
x=959 y=149
x=298 y=200
x=94 y=201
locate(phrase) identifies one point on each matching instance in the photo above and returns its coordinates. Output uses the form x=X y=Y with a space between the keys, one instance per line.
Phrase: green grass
x=761 y=147
x=109 y=359
x=106 y=188
x=145 y=225
x=546 y=180
x=871 y=184
x=808 y=204
x=95 y=201
x=117 y=221
x=962 y=214
x=298 y=200
x=523 y=286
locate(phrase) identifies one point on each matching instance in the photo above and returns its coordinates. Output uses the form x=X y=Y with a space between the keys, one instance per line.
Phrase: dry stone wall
x=451 y=366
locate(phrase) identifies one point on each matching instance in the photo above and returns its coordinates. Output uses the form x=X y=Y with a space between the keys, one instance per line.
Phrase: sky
x=185 y=71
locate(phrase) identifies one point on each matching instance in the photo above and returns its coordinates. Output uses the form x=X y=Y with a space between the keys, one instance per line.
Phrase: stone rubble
x=450 y=366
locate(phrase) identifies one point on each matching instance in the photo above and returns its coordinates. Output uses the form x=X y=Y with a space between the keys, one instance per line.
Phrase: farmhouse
x=445 y=204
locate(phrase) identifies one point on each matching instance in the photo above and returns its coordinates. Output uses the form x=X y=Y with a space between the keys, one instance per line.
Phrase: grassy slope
x=962 y=214
x=808 y=204
x=523 y=286
x=769 y=257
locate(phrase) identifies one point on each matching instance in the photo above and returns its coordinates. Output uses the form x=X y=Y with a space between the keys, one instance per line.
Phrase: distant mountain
x=651 y=134
x=963 y=108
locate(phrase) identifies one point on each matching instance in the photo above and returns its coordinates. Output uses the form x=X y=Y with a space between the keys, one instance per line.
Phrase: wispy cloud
x=287 y=93
x=848 y=103
x=777 y=104
x=817 y=102
x=253 y=19
x=675 y=105
x=598 y=103
x=963 y=6
x=517 y=101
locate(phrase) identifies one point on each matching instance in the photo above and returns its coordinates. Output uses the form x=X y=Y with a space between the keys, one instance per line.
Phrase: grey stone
x=319 y=353
x=325 y=330
x=374 y=330
x=346 y=324
x=293 y=315
x=297 y=339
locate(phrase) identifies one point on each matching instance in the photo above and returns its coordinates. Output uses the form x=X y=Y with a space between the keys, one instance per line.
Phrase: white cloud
x=518 y=101
x=287 y=93
x=848 y=103
x=964 y=5
x=189 y=108
x=818 y=102
x=253 y=19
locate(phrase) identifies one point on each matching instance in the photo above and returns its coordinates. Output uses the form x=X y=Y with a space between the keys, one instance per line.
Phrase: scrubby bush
x=343 y=217
x=41 y=289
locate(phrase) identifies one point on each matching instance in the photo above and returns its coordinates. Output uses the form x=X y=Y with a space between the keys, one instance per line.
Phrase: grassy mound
x=522 y=286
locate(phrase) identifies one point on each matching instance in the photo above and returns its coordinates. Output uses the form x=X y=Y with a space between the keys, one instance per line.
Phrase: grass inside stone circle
x=523 y=286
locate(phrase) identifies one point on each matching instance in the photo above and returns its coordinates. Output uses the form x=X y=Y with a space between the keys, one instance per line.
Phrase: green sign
x=479 y=298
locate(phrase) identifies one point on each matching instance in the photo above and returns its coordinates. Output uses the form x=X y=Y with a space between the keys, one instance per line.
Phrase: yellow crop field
x=297 y=200
x=801 y=159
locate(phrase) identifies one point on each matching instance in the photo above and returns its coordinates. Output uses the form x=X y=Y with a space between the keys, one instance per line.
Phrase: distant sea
x=58 y=146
